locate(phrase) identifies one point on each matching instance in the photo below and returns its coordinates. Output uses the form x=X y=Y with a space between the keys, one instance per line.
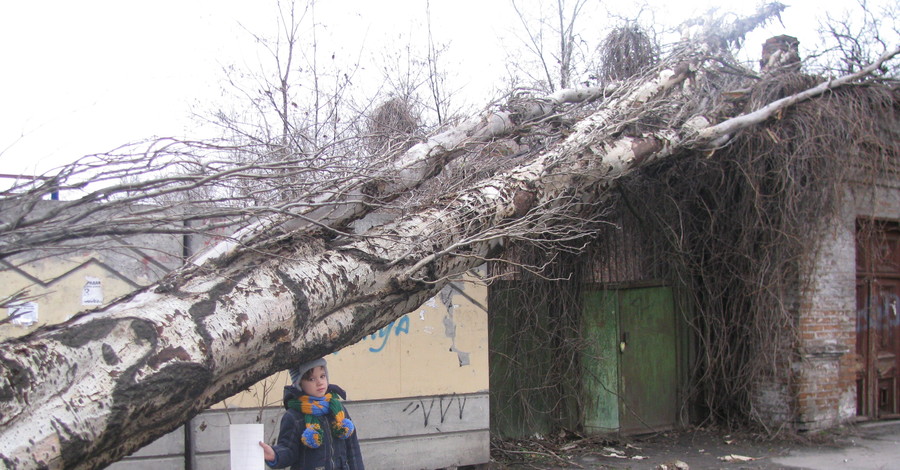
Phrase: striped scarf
x=315 y=407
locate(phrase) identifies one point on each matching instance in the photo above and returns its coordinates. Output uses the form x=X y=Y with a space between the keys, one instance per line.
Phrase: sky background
x=85 y=77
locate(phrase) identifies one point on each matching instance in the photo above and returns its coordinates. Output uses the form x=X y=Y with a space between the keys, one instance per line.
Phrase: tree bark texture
x=414 y=166
x=90 y=391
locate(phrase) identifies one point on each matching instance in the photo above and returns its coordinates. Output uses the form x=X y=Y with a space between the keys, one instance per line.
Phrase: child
x=316 y=432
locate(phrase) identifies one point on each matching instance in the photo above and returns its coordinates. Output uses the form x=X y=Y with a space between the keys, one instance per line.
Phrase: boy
x=316 y=432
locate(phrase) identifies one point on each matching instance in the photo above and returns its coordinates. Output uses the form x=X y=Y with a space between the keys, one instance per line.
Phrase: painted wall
x=439 y=349
x=59 y=285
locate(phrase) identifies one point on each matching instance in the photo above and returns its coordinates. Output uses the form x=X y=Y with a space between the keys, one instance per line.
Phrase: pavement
x=868 y=446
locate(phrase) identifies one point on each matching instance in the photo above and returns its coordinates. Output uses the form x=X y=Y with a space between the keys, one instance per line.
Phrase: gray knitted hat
x=297 y=372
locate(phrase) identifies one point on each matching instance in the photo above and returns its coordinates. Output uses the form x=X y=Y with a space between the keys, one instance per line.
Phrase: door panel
x=864 y=393
x=887 y=351
x=648 y=366
x=878 y=323
x=601 y=361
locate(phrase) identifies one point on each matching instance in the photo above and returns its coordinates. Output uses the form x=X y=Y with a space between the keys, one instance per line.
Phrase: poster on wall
x=23 y=314
x=92 y=294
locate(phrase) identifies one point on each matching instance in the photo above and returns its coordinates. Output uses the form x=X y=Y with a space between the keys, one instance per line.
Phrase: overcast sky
x=82 y=77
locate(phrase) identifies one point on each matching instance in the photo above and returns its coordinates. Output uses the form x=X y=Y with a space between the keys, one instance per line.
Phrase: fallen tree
x=89 y=391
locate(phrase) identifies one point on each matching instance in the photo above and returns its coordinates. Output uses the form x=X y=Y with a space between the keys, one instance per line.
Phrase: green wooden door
x=601 y=361
x=648 y=374
x=632 y=369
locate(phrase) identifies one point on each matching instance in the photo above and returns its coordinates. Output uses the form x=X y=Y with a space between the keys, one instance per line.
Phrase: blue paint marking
x=401 y=326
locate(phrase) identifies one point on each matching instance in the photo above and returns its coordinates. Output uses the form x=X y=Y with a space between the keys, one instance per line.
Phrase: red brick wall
x=826 y=361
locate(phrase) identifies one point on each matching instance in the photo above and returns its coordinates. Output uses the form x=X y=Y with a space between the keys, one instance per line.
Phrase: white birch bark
x=413 y=167
x=88 y=392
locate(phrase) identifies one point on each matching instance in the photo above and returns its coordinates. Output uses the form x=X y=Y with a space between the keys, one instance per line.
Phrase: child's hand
x=268 y=452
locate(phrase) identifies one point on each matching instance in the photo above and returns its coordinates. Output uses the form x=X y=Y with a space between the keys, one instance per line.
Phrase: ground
x=866 y=446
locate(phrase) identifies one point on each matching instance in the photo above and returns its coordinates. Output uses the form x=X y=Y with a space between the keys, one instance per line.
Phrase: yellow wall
x=61 y=291
x=439 y=349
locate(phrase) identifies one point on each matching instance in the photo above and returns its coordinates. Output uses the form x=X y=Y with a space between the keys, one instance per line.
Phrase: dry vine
x=734 y=229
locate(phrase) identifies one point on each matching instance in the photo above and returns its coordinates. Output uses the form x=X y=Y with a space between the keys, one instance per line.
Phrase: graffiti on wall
x=445 y=406
x=383 y=335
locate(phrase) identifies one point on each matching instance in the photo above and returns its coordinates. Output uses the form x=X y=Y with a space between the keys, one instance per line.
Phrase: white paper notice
x=24 y=314
x=92 y=294
x=246 y=454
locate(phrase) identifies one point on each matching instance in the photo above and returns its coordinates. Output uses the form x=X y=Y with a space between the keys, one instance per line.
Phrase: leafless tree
x=295 y=281
x=551 y=36
x=857 y=37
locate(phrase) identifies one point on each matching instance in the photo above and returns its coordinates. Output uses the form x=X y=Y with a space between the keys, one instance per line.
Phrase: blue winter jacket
x=333 y=454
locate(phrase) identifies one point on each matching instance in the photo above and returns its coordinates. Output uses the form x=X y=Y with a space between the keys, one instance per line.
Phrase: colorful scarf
x=314 y=407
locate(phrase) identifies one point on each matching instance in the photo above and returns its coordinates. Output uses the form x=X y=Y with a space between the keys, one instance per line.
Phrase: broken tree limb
x=87 y=392
x=720 y=133
x=91 y=390
x=408 y=171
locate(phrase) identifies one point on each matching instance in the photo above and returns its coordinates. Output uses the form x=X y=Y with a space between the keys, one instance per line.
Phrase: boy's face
x=316 y=383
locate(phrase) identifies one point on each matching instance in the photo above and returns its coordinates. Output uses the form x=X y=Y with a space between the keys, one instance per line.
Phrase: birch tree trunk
x=413 y=167
x=90 y=391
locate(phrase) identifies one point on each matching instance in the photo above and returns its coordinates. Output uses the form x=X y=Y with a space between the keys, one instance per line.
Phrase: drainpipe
x=189 y=454
x=185 y=243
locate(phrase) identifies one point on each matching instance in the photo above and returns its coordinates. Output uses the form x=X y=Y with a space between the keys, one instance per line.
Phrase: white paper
x=92 y=294
x=25 y=313
x=246 y=454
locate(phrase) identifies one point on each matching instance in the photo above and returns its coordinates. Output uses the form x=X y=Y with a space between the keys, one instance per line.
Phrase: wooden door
x=878 y=323
x=601 y=361
x=632 y=371
x=648 y=384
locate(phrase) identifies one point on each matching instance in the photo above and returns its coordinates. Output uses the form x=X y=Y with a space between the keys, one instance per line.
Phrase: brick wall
x=826 y=361
x=825 y=368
